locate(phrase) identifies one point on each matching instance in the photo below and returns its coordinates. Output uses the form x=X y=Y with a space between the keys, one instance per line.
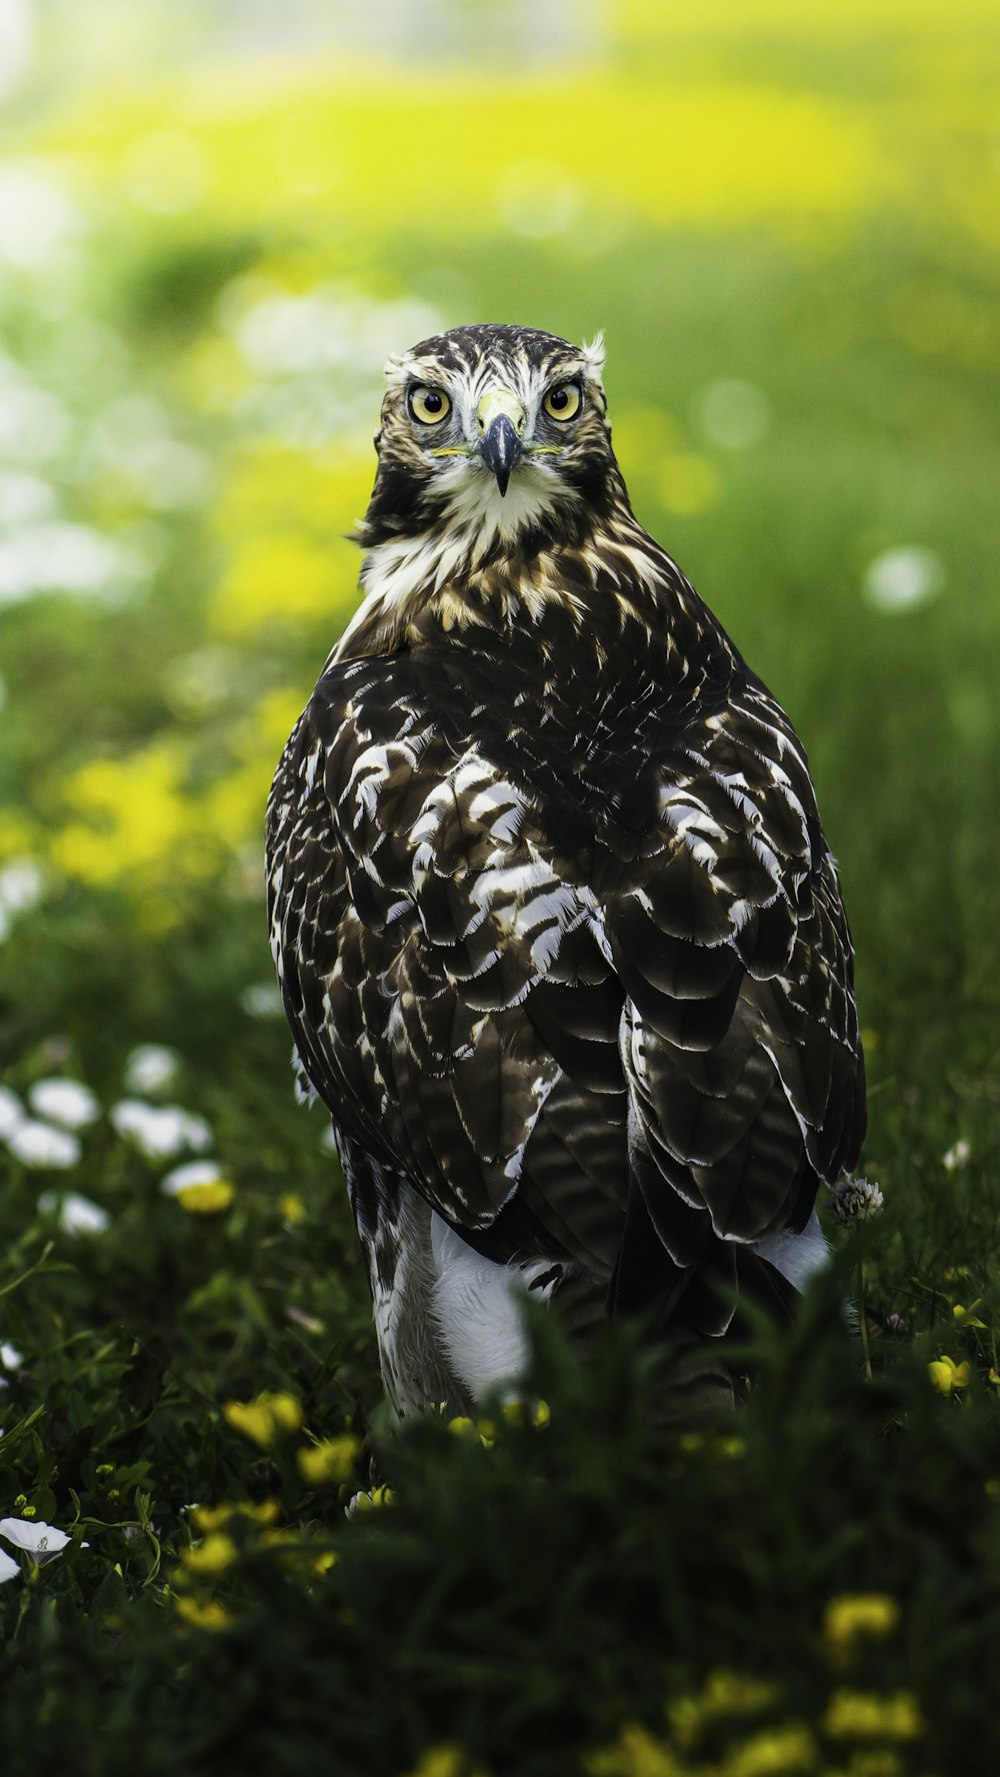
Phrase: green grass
x=527 y=1599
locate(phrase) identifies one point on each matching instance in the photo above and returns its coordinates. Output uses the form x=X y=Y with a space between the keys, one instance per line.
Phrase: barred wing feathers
x=589 y=993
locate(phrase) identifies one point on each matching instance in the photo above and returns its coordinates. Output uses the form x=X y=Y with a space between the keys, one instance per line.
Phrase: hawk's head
x=493 y=430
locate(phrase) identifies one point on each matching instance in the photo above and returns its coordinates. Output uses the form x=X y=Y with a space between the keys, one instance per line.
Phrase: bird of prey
x=558 y=933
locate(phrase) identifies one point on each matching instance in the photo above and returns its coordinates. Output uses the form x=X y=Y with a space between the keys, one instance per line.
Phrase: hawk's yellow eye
x=563 y=402
x=429 y=406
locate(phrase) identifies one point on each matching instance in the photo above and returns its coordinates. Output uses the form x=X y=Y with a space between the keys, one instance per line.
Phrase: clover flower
x=957 y=1156
x=854 y=1200
x=66 y=1102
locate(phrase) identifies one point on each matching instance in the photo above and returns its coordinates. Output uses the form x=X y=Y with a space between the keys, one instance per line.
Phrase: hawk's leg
x=394 y=1227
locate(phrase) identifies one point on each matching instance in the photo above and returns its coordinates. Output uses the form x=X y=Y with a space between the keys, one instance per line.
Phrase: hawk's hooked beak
x=500 y=418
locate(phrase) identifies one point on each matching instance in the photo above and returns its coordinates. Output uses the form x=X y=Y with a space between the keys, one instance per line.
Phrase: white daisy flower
x=151 y=1068
x=67 y=1102
x=262 y=1000
x=193 y=1172
x=160 y=1131
x=11 y=1111
x=39 y=1144
x=77 y=1214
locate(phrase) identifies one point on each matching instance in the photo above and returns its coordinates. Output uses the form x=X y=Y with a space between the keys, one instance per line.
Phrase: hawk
x=557 y=929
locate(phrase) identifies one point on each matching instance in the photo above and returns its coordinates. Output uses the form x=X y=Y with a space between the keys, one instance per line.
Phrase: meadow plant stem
x=863 y=1320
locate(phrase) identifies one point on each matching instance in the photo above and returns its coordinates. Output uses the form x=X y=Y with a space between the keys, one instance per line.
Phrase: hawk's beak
x=500 y=418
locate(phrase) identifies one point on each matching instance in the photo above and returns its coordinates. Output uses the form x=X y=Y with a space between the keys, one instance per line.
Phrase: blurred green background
x=215 y=222
x=217 y=218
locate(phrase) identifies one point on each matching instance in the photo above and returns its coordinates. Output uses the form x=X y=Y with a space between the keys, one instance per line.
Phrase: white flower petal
x=77 y=1214
x=10 y=1357
x=900 y=579
x=38 y=1539
x=150 y=1068
x=193 y=1172
x=11 y=1111
x=262 y=1000
x=160 y=1131
x=39 y=1144
x=68 y=1102
x=733 y=413
x=9 y=1570
x=20 y=885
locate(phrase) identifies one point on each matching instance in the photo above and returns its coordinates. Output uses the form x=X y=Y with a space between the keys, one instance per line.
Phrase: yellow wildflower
x=734 y=1693
x=446 y=1760
x=208 y=1199
x=366 y=1502
x=211 y=1518
x=856 y=1615
x=947 y=1376
x=772 y=1752
x=292 y=1207
x=966 y=1317
x=636 y=1753
x=203 y=1613
x=264 y=1420
x=517 y=1412
x=212 y=1556
x=462 y=1426
x=871 y=1715
x=332 y=1459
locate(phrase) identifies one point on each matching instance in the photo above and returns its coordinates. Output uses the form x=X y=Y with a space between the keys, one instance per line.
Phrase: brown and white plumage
x=558 y=932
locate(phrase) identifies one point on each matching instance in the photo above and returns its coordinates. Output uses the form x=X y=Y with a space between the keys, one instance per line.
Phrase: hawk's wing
x=543 y=1016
